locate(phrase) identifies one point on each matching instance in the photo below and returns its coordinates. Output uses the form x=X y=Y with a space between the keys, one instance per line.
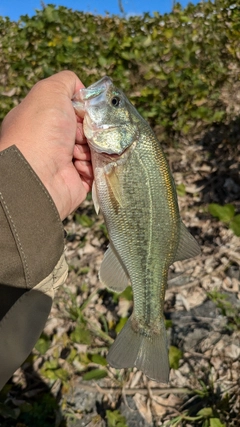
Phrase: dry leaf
x=161 y=405
x=143 y=406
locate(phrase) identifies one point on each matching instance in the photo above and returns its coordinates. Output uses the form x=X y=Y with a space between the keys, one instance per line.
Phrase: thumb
x=66 y=82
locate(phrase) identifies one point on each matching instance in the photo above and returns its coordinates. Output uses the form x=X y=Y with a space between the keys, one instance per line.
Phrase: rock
x=191 y=327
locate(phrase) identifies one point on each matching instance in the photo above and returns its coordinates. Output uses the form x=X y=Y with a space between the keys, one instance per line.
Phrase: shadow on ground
x=222 y=184
x=31 y=404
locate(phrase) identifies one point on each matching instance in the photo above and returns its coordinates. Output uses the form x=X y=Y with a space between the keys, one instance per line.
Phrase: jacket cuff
x=22 y=325
x=31 y=229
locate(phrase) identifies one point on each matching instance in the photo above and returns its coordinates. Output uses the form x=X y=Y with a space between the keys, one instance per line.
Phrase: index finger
x=66 y=82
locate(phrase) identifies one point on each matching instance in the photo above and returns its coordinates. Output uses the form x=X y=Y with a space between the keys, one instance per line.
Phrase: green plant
x=207 y=407
x=230 y=311
x=164 y=68
x=226 y=214
x=204 y=418
x=181 y=190
x=25 y=414
x=174 y=357
x=115 y=419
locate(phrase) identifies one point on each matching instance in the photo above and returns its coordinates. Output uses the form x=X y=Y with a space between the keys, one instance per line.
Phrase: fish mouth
x=95 y=89
x=93 y=128
x=80 y=103
x=80 y=98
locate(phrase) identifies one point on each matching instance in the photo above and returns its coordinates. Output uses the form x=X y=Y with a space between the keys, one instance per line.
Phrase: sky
x=15 y=8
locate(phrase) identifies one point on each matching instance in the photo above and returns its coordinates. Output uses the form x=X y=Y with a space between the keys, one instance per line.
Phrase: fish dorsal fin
x=112 y=274
x=187 y=246
x=95 y=198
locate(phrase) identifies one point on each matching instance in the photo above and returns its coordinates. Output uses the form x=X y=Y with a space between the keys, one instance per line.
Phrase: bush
x=173 y=67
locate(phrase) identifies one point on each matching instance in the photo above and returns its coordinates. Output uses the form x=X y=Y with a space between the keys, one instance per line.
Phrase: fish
x=135 y=191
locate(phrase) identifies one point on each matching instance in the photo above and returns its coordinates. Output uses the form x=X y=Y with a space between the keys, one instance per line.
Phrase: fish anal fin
x=112 y=273
x=148 y=353
x=187 y=246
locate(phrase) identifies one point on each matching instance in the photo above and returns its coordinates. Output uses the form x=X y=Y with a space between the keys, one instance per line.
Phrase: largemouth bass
x=135 y=191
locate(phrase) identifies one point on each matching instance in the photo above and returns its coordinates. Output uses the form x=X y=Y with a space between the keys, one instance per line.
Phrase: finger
x=81 y=152
x=79 y=119
x=80 y=137
x=87 y=183
x=65 y=83
x=69 y=80
x=84 y=168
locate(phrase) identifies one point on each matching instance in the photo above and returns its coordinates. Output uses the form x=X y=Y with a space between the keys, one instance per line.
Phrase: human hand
x=45 y=129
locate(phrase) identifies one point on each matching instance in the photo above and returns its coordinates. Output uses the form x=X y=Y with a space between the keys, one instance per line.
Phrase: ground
x=66 y=381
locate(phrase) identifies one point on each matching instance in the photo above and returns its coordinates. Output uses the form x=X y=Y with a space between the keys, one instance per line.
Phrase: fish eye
x=115 y=101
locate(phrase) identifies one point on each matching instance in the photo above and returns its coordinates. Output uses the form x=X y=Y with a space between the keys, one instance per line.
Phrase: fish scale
x=135 y=191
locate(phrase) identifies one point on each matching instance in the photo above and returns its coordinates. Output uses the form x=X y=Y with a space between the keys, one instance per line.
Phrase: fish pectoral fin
x=187 y=246
x=114 y=184
x=112 y=274
x=95 y=198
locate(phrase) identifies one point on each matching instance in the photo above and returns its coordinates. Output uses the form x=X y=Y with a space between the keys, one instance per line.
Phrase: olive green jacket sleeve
x=32 y=263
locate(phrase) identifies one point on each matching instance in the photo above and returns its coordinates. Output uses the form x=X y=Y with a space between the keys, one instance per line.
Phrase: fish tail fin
x=149 y=353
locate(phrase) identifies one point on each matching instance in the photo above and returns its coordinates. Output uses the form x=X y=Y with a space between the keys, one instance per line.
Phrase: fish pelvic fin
x=149 y=353
x=95 y=197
